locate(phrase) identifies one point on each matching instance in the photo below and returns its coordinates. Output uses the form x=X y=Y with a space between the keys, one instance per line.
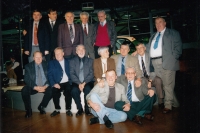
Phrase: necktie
x=71 y=32
x=129 y=93
x=81 y=77
x=85 y=29
x=156 y=42
x=122 y=67
x=104 y=67
x=52 y=25
x=101 y=24
x=35 y=39
x=39 y=77
x=143 y=68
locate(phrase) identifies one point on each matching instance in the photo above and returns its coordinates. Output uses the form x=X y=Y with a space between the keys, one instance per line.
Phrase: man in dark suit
x=58 y=75
x=36 y=37
x=104 y=34
x=141 y=98
x=88 y=34
x=148 y=72
x=82 y=76
x=52 y=26
x=70 y=35
x=165 y=48
x=36 y=81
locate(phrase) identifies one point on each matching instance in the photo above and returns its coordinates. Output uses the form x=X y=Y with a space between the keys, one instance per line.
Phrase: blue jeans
x=113 y=115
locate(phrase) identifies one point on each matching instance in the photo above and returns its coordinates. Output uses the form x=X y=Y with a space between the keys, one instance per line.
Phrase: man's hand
x=149 y=85
x=134 y=53
x=81 y=86
x=57 y=86
x=39 y=88
x=138 y=82
x=26 y=52
x=126 y=107
x=46 y=52
x=150 y=92
x=94 y=106
x=101 y=83
x=24 y=32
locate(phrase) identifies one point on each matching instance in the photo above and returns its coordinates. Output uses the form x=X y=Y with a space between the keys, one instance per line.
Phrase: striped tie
x=144 y=69
x=129 y=93
x=122 y=67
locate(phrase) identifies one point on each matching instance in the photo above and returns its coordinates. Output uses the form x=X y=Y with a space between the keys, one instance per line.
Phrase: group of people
x=115 y=87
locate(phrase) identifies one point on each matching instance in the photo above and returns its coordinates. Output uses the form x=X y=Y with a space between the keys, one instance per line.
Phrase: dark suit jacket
x=53 y=33
x=88 y=39
x=43 y=37
x=171 y=49
x=140 y=92
x=64 y=39
x=87 y=69
x=111 y=32
x=30 y=74
x=97 y=66
x=55 y=71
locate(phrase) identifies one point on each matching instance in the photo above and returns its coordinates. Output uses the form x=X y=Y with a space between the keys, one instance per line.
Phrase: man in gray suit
x=165 y=48
x=88 y=34
x=148 y=72
x=102 y=101
x=82 y=76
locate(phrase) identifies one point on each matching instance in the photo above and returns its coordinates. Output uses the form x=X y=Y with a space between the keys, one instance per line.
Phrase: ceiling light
x=136 y=29
x=134 y=26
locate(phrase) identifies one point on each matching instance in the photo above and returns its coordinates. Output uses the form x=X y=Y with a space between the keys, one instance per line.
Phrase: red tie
x=85 y=29
x=35 y=41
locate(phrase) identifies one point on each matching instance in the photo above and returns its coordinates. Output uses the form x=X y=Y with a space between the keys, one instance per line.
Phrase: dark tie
x=129 y=93
x=144 y=69
x=156 y=42
x=71 y=32
x=85 y=29
x=122 y=67
x=81 y=77
x=35 y=39
x=39 y=77
x=52 y=25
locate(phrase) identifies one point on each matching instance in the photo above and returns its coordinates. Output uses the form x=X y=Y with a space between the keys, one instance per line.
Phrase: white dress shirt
x=64 y=78
x=134 y=97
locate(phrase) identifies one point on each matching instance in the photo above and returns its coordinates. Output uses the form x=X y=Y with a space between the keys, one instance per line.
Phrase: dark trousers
x=28 y=91
x=76 y=94
x=96 y=51
x=56 y=93
x=145 y=105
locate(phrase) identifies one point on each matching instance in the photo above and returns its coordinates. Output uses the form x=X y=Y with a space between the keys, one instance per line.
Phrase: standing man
x=82 y=76
x=104 y=34
x=165 y=48
x=88 y=34
x=52 y=24
x=102 y=101
x=58 y=75
x=148 y=72
x=69 y=35
x=36 y=81
x=36 y=37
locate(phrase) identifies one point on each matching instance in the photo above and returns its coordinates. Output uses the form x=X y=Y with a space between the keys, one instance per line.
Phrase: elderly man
x=102 y=101
x=148 y=72
x=104 y=34
x=88 y=34
x=36 y=81
x=69 y=35
x=141 y=98
x=58 y=75
x=82 y=77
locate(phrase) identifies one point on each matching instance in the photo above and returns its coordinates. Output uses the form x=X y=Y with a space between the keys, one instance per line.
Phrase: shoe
x=54 y=113
x=166 y=110
x=149 y=117
x=109 y=124
x=137 y=119
x=41 y=109
x=80 y=112
x=28 y=113
x=161 y=106
x=94 y=120
x=69 y=113
x=87 y=112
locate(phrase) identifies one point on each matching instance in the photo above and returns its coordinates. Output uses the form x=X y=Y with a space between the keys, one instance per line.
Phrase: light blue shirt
x=119 y=65
x=42 y=72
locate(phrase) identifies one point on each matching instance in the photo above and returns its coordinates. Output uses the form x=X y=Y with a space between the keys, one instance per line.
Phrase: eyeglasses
x=130 y=72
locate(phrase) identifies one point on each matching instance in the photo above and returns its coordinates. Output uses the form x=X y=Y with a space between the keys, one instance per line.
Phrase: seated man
x=148 y=72
x=102 y=101
x=81 y=73
x=36 y=81
x=58 y=75
x=141 y=98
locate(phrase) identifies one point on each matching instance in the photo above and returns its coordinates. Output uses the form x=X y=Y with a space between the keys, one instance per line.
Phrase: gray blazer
x=140 y=92
x=171 y=49
x=88 y=39
x=103 y=93
x=87 y=70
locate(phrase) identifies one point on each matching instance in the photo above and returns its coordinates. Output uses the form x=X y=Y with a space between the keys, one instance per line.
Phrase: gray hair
x=131 y=67
x=69 y=12
x=79 y=46
x=101 y=49
x=101 y=11
x=84 y=13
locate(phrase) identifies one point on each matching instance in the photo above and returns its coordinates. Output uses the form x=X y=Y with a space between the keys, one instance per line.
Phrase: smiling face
x=53 y=15
x=104 y=54
x=37 y=57
x=140 y=49
x=101 y=16
x=69 y=17
x=124 y=50
x=84 y=19
x=59 y=54
x=160 y=24
x=80 y=50
x=111 y=77
x=130 y=74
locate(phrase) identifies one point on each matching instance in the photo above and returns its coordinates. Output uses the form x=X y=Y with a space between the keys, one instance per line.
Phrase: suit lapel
x=100 y=65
